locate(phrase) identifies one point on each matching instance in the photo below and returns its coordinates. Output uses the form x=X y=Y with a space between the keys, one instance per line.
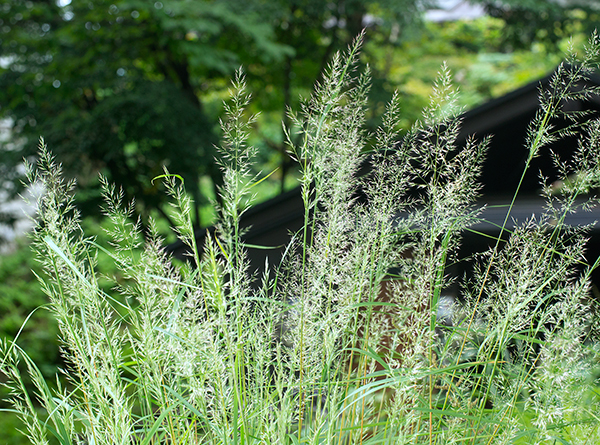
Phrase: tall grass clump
x=342 y=342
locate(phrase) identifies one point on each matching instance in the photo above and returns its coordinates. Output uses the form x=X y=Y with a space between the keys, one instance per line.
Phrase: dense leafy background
x=127 y=87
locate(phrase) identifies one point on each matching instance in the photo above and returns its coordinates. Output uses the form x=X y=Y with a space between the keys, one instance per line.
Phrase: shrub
x=328 y=349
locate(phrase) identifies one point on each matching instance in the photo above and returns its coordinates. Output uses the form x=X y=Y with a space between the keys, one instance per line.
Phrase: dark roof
x=494 y=213
x=506 y=118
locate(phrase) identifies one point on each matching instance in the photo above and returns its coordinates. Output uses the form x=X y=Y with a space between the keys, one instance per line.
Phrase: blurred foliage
x=9 y=427
x=125 y=87
x=546 y=21
x=113 y=86
x=475 y=52
x=21 y=295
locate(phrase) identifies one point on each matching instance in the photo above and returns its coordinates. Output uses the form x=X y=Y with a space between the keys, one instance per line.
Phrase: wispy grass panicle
x=569 y=82
x=237 y=157
x=89 y=327
x=335 y=106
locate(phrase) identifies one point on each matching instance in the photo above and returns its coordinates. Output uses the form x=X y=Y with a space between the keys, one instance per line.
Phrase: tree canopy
x=120 y=86
x=114 y=86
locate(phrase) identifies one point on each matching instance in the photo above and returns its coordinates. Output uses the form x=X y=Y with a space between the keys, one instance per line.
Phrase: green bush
x=193 y=353
x=21 y=296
